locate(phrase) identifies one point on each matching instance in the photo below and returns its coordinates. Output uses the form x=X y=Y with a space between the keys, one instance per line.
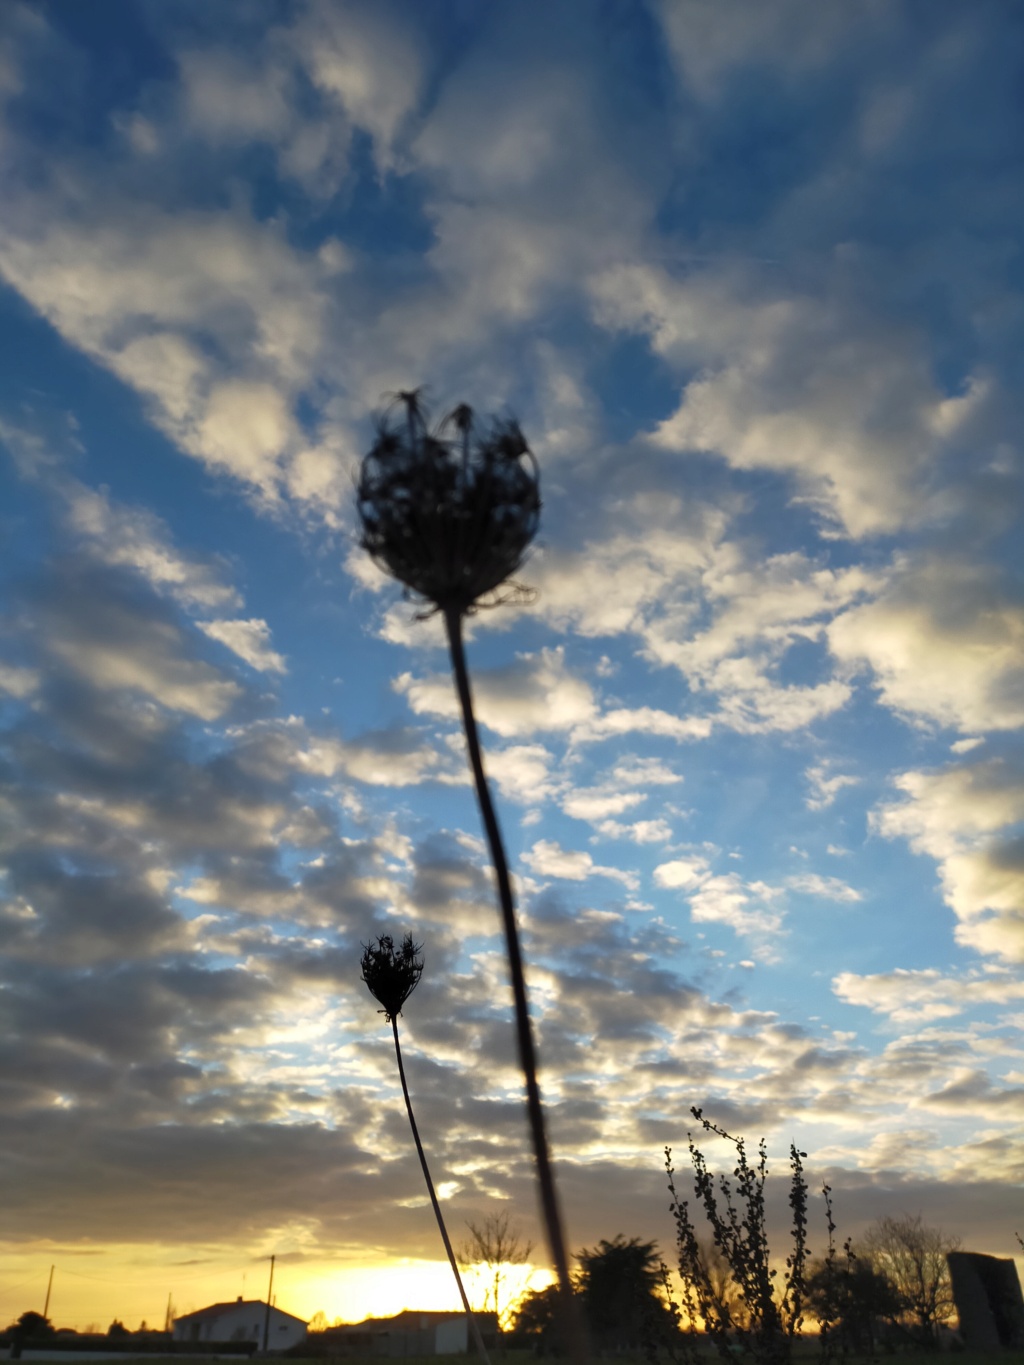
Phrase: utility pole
x=49 y=1286
x=266 y=1316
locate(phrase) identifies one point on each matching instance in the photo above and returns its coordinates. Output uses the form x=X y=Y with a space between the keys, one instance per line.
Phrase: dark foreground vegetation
x=733 y=1299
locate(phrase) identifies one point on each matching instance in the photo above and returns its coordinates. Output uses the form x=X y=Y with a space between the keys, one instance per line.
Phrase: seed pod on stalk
x=451 y=514
x=392 y=974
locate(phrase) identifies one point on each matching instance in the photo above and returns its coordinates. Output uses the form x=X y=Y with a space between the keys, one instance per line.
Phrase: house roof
x=218 y=1310
x=411 y=1317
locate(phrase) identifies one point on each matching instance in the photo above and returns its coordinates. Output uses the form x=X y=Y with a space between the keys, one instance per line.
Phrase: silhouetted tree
x=451 y=514
x=536 y=1317
x=852 y=1300
x=619 y=1283
x=496 y=1244
x=391 y=975
x=912 y=1256
x=32 y=1325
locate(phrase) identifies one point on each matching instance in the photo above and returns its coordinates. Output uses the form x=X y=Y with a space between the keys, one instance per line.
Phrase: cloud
x=811 y=387
x=746 y=907
x=946 y=645
x=99 y=632
x=250 y=640
x=522 y=772
x=367 y=63
x=133 y=537
x=598 y=803
x=917 y=996
x=18 y=681
x=757 y=616
x=749 y=907
x=535 y=693
x=639 y=832
x=825 y=785
x=157 y=297
x=826 y=888
x=642 y=720
x=965 y=816
x=710 y=40
x=395 y=757
x=681 y=872
x=549 y=859
x=971 y=1091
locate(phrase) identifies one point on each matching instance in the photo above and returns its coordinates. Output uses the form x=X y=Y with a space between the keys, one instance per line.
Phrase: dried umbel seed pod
x=449 y=513
x=391 y=973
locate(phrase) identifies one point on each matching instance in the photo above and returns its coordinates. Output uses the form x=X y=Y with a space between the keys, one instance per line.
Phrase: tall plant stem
x=474 y=1326
x=524 y=1030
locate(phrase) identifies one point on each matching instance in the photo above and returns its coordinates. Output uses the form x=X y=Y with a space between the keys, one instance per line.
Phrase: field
x=806 y=1356
x=520 y=1357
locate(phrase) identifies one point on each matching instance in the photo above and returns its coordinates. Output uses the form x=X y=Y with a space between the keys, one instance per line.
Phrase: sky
x=749 y=276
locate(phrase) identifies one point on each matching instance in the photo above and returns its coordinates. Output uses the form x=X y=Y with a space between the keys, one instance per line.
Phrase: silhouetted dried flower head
x=449 y=513
x=391 y=973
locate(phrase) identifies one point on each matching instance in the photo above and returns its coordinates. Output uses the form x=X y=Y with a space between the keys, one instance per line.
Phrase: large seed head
x=449 y=513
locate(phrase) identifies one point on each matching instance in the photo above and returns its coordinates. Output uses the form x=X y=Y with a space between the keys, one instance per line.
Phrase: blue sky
x=749 y=276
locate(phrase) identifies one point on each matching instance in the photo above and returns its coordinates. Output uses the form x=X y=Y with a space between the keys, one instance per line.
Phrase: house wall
x=244 y=1322
x=451 y=1337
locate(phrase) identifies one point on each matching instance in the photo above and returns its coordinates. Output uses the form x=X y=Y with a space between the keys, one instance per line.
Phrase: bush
x=744 y=1311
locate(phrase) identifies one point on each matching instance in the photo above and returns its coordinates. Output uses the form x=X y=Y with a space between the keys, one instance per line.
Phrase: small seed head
x=392 y=974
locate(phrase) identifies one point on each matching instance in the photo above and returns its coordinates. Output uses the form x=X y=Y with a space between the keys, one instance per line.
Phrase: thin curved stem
x=524 y=1030
x=474 y=1326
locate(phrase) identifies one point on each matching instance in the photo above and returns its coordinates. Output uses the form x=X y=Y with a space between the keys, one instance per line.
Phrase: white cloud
x=964 y=746
x=946 y=644
x=644 y=720
x=548 y=859
x=250 y=640
x=919 y=996
x=751 y=908
x=825 y=785
x=644 y=772
x=535 y=693
x=746 y=907
x=245 y=429
x=639 y=832
x=112 y=646
x=132 y=537
x=598 y=803
x=709 y=38
x=966 y=817
x=826 y=888
x=18 y=681
x=522 y=772
x=682 y=872
x=212 y=317
x=816 y=389
x=397 y=757
x=370 y=65
x=757 y=614
x=655 y=546
x=230 y=98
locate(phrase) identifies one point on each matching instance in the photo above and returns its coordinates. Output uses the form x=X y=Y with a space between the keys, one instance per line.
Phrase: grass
x=527 y=1357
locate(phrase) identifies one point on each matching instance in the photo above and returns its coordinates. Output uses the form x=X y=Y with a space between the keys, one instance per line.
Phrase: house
x=243 y=1320
x=414 y=1332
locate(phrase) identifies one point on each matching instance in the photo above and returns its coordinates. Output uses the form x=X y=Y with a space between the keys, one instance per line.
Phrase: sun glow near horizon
x=94 y=1285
